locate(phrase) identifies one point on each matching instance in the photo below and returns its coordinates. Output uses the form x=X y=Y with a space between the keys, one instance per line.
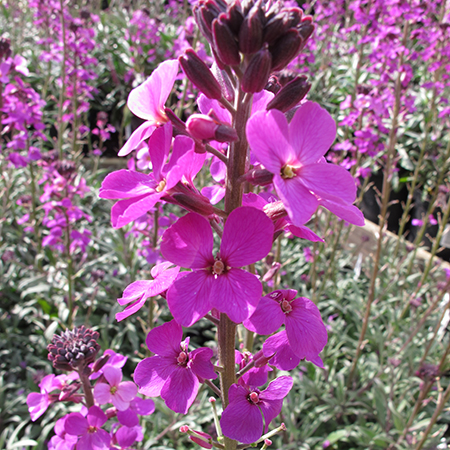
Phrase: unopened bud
x=283 y=426
x=225 y=44
x=273 y=85
x=200 y=75
x=205 y=13
x=251 y=31
x=257 y=72
x=203 y=127
x=235 y=18
x=274 y=28
x=100 y=363
x=267 y=442
x=306 y=28
x=225 y=83
x=194 y=204
x=178 y=124
x=285 y=49
x=270 y=274
x=275 y=210
x=290 y=95
x=259 y=177
x=211 y=400
x=184 y=429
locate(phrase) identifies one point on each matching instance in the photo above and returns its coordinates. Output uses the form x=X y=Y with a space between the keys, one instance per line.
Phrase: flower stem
x=87 y=388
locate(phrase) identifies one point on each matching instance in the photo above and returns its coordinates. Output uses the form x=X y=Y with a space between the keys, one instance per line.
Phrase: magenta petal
x=270 y=410
x=76 y=424
x=206 y=104
x=131 y=309
x=143 y=407
x=327 y=180
x=312 y=131
x=188 y=242
x=236 y=293
x=159 y=148
x=267 y=318
x=99 y=440
x=96 y=417
x=188 y=298
x=147 y=100
x=141 y=133
x=126 y=437
x=129 y=418
x=160 y=268
x=126 y=183
x=102 y=393
x=232 y=423
x=37 y=404
x=300 y=204
x=213 y=193
x=305 y=329
x=180 y=390
x=200 y=363
x=247 y=237
x=134 y=291
x=278 y=345
x=125 y=393
x=261 y=100
x=165 y=340
x=267 y=134
x=304 y=233
x=151 y=374
x=347 y=212
x=277 y=389
x=125 y=211
x=113 y=375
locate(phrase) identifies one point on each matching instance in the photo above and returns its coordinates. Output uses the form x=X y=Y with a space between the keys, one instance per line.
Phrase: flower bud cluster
x=73 y=349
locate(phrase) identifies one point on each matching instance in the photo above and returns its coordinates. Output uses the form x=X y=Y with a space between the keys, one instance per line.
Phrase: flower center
x=288 y=171
x=286 y=306
x=92 y=429
x=182 y=359
x=218 y=267
x=254 y=398
x=161 y=186
x=114 y=389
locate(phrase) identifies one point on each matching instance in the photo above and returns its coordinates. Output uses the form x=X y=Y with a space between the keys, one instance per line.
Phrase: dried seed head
x=73 y=349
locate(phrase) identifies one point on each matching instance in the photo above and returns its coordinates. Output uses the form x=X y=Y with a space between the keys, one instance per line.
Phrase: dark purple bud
x=273 y=84
x=235 y=18
x=274 y=28
x=306 y=28
x=176 y=121
x=285 y=49
x=225 y=83
x=257 y=72
x=290 y=95
x=259 y=177
x=200 y=75
x=251 y=31
x=226 y=133
x=293 y=17
x=100 y=363
x=270 y=274
x=194 y=203
x=5 y=48
x=225 y=44
x=205 y=12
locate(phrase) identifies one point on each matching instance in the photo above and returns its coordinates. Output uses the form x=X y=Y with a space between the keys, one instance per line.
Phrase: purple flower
x=139 y=291
x=174 y=373
x=294 y=154
x=216 y=282
x=280 y=354
x=147 y=102
x=62 y=440
x=141 y=191
x=305 y=330
x=88 y=428
x=118 y=392
x=252 y=404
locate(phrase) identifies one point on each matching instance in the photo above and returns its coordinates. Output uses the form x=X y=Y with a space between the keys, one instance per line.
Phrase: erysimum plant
x=273 y=139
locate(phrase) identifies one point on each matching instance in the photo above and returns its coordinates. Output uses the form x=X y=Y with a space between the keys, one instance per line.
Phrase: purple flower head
x=216 y=282
x=174 y=373
x=139 y=291
x=119 y=393
x=91 y=436
x=294 y=152
x=141 y=191
x=147 y=102
x=252 y=404
x=305 y=329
